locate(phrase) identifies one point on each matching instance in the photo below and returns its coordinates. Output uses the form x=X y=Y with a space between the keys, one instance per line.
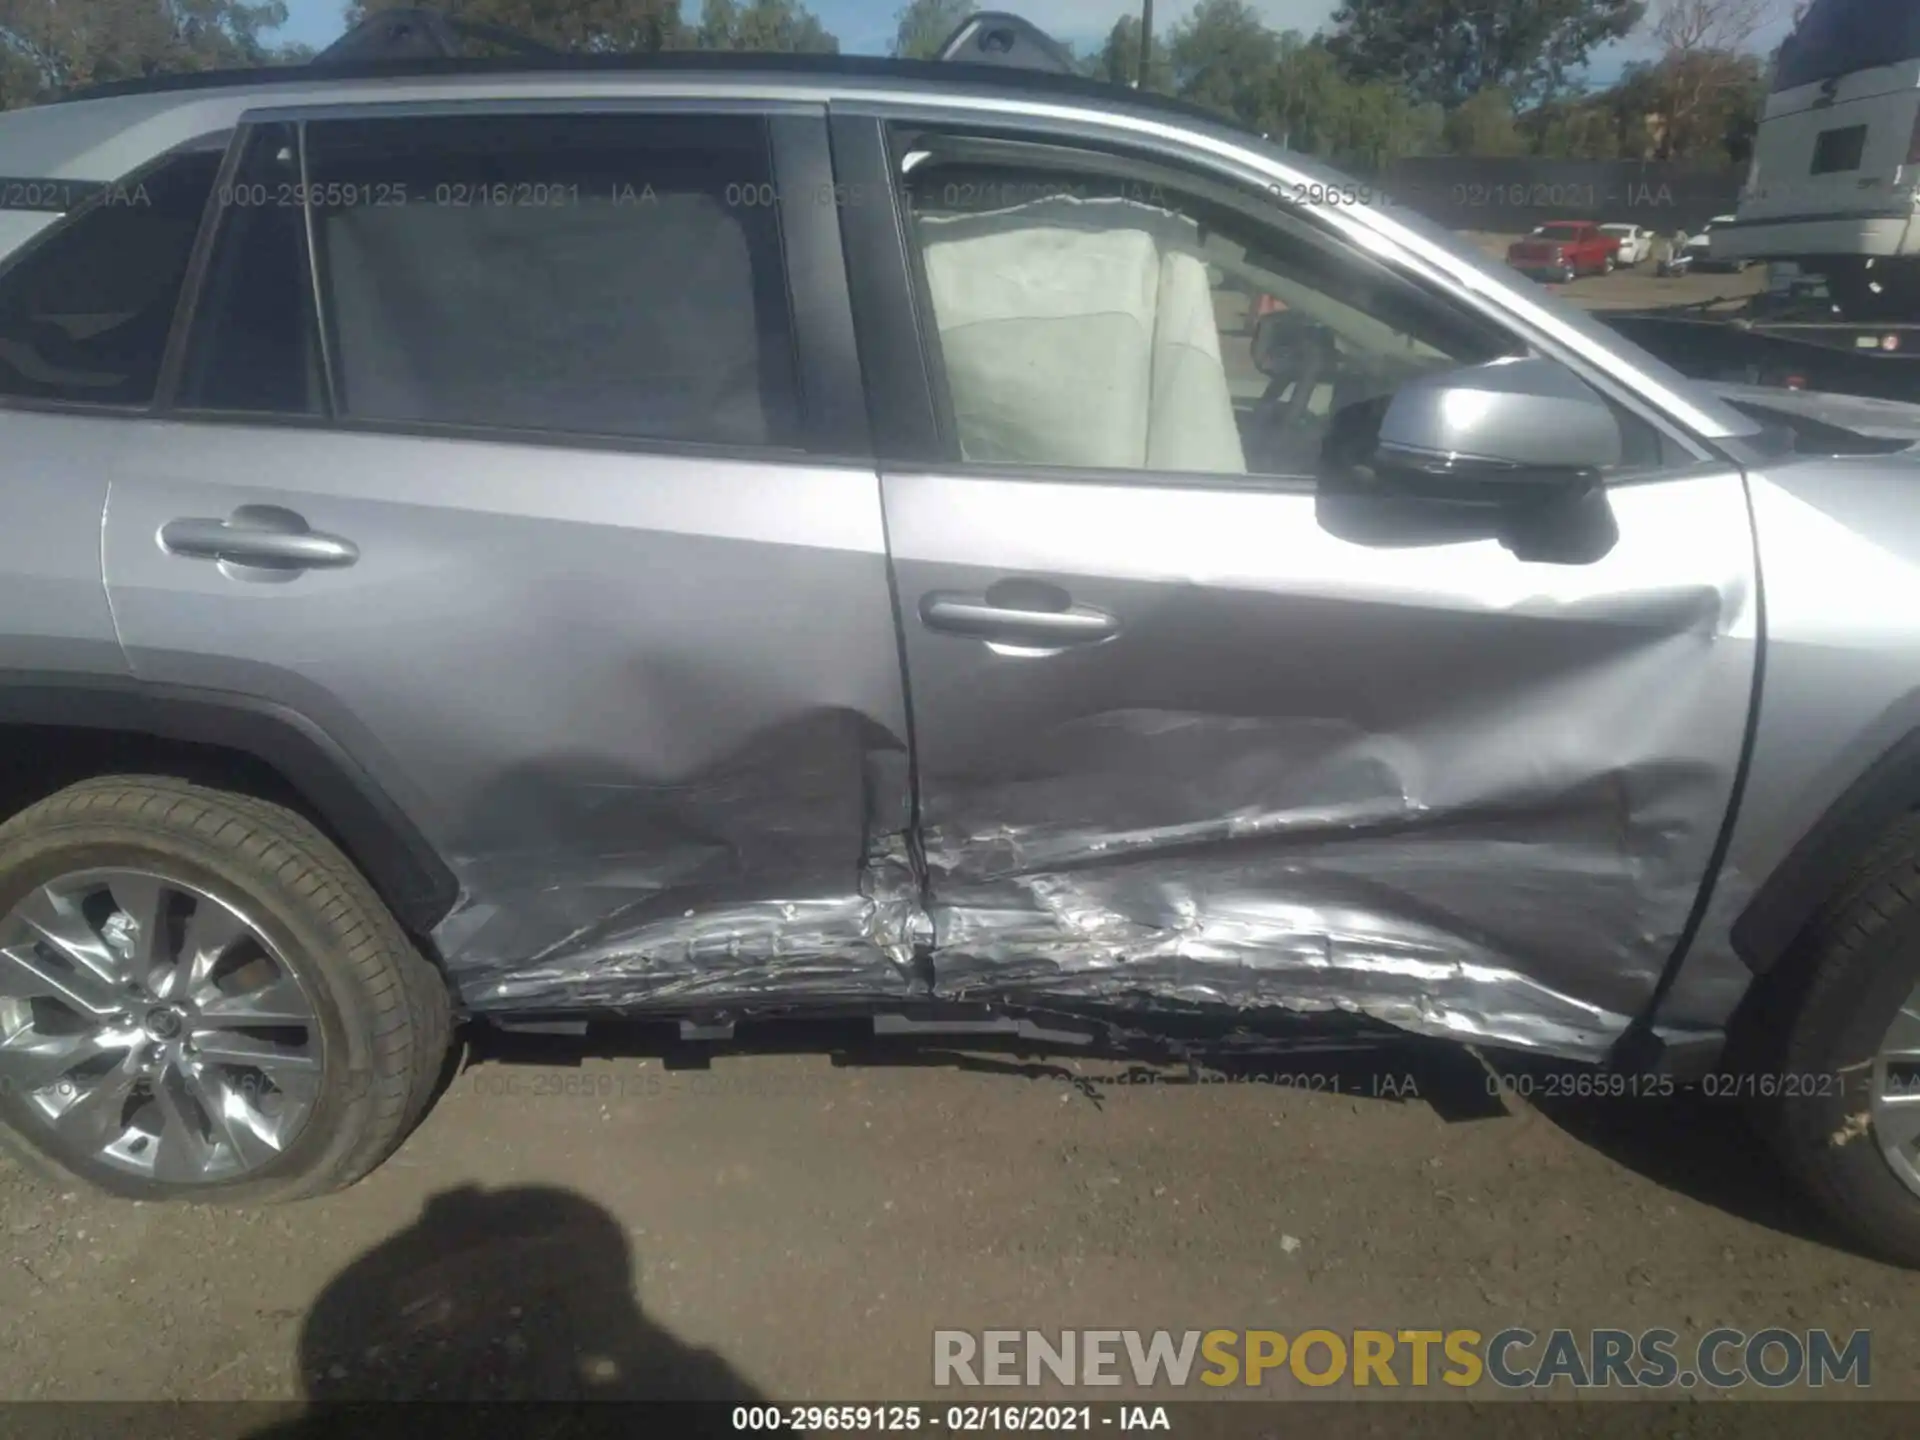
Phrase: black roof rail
x=1015 y=55
x=405 y=32
x=993 y=37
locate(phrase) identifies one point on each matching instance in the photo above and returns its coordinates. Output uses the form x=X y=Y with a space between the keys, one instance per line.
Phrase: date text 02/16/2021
x=957 y=1419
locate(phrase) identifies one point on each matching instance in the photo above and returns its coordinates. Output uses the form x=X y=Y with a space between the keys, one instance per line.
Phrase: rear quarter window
x=87 y=305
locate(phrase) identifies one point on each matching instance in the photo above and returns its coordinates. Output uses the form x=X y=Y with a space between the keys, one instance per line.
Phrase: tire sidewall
x=1833 y=1041
x=32 y=859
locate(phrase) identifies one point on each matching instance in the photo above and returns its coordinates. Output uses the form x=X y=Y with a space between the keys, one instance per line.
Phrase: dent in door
x=1428 y=784
x=648 y=710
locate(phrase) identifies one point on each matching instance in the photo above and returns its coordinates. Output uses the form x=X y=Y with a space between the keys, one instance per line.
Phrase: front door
x=1192 y=729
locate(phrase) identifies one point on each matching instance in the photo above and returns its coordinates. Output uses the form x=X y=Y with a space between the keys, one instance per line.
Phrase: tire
x=1810 y=1031
x=1608 y=265
x=372 y=1051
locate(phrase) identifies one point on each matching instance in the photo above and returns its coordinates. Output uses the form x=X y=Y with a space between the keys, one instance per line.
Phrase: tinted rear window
x=597 y=274
x=85 y=310
x=1838 y=37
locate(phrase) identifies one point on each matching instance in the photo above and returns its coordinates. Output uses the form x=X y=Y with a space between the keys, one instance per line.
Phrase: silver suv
x=705 y=540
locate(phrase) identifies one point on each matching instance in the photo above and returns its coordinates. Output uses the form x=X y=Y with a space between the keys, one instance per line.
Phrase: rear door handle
x=264 y=537
x=1018 y=612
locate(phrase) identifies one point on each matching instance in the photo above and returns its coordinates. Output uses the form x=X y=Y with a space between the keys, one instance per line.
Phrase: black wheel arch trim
x=403 y=867
x=1826 y=854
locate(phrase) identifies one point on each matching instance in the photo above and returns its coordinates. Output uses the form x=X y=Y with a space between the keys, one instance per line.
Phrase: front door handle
x=1018 y=612
x=263 y=537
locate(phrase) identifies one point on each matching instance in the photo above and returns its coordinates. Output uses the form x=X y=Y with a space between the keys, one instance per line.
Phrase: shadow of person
x=499 y=1297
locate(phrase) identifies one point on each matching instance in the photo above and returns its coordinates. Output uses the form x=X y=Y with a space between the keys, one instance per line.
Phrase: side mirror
x=1520 y=443
x=1519 y=421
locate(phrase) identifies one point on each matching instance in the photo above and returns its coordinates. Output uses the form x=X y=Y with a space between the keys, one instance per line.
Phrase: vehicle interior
x=1290 y=329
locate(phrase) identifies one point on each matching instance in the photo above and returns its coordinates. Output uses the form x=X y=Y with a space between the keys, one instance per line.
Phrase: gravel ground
x=568 y=1223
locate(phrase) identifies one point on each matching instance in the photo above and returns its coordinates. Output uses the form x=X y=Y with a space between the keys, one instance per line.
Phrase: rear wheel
x=201 y=998
x=1832 y=1039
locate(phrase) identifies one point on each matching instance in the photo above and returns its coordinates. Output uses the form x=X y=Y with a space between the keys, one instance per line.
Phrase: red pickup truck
x=1564 y=249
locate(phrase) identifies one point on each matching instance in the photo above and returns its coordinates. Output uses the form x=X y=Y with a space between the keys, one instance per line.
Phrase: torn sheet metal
x=1414 y=779
x=630 y=895
x=1349 y=877
x=1428 y=783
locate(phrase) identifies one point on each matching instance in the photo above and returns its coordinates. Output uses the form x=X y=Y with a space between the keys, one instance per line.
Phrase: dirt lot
x=1640 y=287
x=786 y=1227
x=568 y=1222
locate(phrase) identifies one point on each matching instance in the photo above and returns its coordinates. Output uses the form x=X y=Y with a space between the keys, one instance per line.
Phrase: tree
x=764 y=25
x=47 y=46
x=1685 y=27
x=1315 y=109
x=1450 y=50
x=1485 y=124
x=1704 y=77
x=1223 y=57
x=577 y=25
x=925 y=25
x=1118 y=60
x=1586 y=127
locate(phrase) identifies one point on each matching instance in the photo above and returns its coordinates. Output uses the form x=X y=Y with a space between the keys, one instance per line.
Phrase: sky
x=866 y=26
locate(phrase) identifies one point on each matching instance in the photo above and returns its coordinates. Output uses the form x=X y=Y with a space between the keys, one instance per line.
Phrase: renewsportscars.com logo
x=1514 y=1359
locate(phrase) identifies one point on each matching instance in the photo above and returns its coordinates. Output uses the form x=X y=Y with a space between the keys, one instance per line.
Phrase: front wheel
x=1831 y=1044
x=1607 y=266
x=201 y=998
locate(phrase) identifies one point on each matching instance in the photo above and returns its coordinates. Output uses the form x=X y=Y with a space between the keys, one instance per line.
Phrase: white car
x=1636 y=243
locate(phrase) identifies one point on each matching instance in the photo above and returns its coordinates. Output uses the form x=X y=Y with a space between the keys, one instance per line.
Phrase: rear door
x=555 y=512
x=90 y=277
x=1190 y=730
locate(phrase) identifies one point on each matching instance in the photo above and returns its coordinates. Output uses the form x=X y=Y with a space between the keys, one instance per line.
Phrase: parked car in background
x=712 y=610
x=1635 y=243
x=1564 y=250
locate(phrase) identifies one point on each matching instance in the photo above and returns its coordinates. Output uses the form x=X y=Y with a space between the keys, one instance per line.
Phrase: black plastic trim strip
x=174 y=357
x=899 y=386
x=833 y=405
x=403 y=867
x=1814 y=869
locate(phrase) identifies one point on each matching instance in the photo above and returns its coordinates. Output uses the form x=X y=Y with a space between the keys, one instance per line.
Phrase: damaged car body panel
x=653 y=710
x=1837 y=733
x=1198 y=723
x=1435 y=785
x=638 y=689
x=617 y=637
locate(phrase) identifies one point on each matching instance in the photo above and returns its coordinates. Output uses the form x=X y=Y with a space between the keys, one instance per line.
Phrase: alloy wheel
x=149 y=1026
x=1895 y=1108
